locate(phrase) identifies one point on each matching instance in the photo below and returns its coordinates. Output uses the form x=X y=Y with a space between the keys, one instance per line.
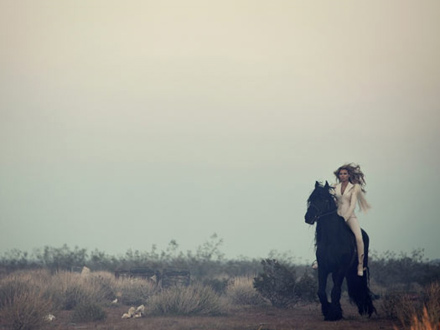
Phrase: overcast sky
x=125 y=124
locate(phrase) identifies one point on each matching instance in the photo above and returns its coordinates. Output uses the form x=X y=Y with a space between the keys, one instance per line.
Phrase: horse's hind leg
x=322 y=294
x=335 y=310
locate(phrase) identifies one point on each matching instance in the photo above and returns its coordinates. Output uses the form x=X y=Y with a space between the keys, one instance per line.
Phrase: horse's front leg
x=322 y=294
x=335 y=310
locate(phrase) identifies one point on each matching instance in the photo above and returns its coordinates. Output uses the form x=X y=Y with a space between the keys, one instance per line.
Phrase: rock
x=134 y=312
x=85 y=271
x=140 y=309
x=131 y=311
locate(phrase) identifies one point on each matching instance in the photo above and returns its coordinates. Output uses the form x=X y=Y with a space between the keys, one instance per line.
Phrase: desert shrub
x=306 y=289
x=134 y=291
x=241 y=267
x=218 y=285
x=191 y=300
x=67 y=291
x=279 y=284
x=432 y=302
x=11 y=287
x=402 y=271
x=240 y=291
x=418 y=309
x=70 y=289
x=23 y=304
x=104 y=284
x=276 y=283
x=73 y=296
x=424 y=323
x=88 y=312
x=399 y=306
x=63 y=258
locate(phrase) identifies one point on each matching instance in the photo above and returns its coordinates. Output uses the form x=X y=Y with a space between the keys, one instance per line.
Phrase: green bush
x=218 y=285
x=88 y=312
x=403 y=272
x=191 y=300
x=276 y=283
x=306 y=289
x=279 y=284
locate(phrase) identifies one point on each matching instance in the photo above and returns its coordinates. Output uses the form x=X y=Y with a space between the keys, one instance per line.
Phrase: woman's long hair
x=355 y=173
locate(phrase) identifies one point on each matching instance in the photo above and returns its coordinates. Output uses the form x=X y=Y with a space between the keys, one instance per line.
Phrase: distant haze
x=125 y=124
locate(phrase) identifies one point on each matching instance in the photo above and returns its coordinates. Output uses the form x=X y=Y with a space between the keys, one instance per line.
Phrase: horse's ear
x=326 y=184
x=316 y=184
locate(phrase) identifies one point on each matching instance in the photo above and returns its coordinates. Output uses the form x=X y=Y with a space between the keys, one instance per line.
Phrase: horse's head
x=320 y=203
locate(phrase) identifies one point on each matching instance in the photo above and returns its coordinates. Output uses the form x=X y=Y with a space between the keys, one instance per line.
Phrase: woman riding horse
x=349 y=192
x=336 y=254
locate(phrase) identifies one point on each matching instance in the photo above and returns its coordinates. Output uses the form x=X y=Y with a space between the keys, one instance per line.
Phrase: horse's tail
x=358 y=286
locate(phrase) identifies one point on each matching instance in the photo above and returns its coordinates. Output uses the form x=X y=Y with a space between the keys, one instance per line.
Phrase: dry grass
x=421 y=315
x=24 y=303
x=400 y=306
x=241 y=291
x=424 y=323
x=134 y=291
x=191 y=300
x=88 y=312
x=432 y=302
x=70 y=289
x=26 y=298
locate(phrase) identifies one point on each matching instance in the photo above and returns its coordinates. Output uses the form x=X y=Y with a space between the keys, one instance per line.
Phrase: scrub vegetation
x=50 y=282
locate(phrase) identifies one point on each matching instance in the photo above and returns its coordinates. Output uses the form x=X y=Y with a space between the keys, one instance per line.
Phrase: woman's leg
x=353 y=223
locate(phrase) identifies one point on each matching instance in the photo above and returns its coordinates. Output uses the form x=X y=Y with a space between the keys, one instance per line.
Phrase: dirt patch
x=244 y=318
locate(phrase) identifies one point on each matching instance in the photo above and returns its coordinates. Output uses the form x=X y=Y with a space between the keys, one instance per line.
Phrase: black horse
x=336 y=254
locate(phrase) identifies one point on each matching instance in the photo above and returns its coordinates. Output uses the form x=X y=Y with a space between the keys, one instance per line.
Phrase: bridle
x=318 y=214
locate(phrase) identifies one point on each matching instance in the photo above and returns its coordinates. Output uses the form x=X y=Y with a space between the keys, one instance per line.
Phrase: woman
x=349 y=192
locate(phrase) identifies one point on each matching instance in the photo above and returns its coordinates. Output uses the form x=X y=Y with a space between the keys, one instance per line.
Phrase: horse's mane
x=322 y=192
x=325 y=193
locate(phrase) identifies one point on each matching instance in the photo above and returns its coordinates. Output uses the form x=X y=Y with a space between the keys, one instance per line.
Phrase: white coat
x=347 y=201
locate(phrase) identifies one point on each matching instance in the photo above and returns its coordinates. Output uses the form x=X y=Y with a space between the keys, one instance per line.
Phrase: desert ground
x=306 y=317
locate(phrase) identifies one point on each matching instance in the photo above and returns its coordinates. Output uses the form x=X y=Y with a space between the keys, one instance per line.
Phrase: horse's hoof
x=333 y=314
x=333 y=318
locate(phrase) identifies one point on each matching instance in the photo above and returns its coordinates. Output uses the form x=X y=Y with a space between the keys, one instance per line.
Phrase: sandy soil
x=244 y=318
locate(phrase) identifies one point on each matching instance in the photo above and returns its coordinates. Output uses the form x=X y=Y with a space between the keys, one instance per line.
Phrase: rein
x=323 y=215
x=317 y=217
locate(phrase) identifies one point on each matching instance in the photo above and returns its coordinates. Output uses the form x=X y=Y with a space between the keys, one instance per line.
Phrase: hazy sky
x=125 y=124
